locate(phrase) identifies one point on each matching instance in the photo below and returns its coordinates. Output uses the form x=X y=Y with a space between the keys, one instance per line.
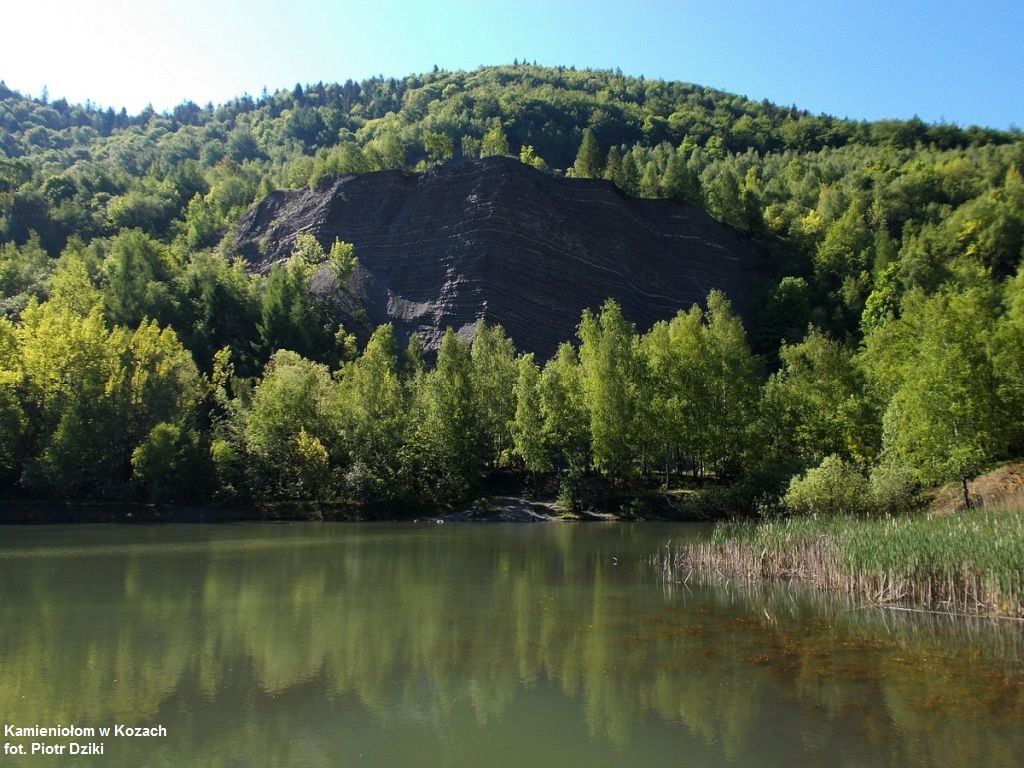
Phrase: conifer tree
x=588 y=160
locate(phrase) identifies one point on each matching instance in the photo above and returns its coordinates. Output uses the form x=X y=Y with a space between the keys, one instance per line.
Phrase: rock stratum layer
x=499 y=240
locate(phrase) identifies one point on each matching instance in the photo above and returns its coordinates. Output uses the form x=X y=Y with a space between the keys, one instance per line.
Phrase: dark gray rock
x=497 y=239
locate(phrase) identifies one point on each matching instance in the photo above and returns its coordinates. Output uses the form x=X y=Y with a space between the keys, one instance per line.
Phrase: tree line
x=102 y=398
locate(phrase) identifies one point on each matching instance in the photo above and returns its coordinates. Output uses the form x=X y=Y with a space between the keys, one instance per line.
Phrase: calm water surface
x=473 y=645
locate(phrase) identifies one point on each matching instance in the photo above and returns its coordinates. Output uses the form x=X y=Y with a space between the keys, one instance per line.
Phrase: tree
x=613 y=166
x=528 y=156
x=1009 y=358
x=833 y=487
x=494 y=141
x=438 y=146
x=13 y=423
x=842 y=263
x=138 y=272
x=679 y=182
x=611 y=378
x=816 y=404
x=371 y=404
x=528 y=425
x=703 y=388
x=73 y=380
x=168 y=464
x=386 y=150
x=342 y=260
x=494 y=377
x=291 y=318
x=97 y=395
x=471 y=146
x=732 y=377
x=220 y=306
x=288 y=426
x=945 y=419
x=650 y=183
x=588 y=163
x=666 y=406
x=678 y=359
x=564 y=410
x=443 y=454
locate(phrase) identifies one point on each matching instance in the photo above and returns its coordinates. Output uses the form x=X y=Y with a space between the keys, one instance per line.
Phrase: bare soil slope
x=1002 y=488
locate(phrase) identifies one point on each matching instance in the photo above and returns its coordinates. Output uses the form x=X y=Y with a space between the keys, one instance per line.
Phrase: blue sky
x=959 y=62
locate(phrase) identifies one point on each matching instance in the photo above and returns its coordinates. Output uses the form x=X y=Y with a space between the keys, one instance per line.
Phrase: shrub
x=833 y=487
x=894 y=488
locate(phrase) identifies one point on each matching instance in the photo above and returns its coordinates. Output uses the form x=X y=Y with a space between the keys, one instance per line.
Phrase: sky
x=956 y=62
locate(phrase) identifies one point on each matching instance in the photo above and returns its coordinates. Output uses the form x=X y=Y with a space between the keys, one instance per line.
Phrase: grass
x=968 y=563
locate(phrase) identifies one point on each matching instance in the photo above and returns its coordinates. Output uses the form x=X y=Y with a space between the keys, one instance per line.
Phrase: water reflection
x=469 y=645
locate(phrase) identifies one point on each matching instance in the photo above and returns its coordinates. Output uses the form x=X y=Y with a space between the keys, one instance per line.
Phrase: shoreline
x=487 y=509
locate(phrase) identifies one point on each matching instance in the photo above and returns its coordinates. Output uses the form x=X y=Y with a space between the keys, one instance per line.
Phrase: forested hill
x=498 y=240
x=140 y=356
x=846 y=199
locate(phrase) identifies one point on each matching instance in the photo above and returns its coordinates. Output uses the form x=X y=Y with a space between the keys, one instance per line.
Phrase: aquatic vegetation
x=971 y=563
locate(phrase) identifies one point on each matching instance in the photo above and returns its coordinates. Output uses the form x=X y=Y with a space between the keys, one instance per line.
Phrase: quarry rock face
x=500 y=240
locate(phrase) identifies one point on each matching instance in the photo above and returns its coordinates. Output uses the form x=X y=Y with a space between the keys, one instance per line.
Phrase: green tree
x=138 y=272
x=611 y=380
x=494 y=141
x=342 y=260
x=1009 y=358
x=732 y=388
x=613 y=166
x=386 y=150
x=831 y=488
x=945 y=418
x=69 y=361
x=291 y=418
x=471 y=146
x=443 y=455
x=588 y=163
x=13 y=423
x=25 y=272
x=679 y=182
x=494 y=377
x=528 y=425
x=564 y=410
x=291 y=317
x=438 y=146
x=528 y=156
x=169 y=464
x=815 y=405
x=373 y=413
x=220 y=306
x=842 y=264
x=97 y=394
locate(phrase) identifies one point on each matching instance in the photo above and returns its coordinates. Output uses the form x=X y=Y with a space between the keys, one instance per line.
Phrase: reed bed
x=970 y=563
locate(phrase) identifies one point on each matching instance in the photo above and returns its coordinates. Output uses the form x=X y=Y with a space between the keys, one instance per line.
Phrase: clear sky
x=960 y=62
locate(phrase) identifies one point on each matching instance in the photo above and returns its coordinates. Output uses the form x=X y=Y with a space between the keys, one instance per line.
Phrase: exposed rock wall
x=497 y=239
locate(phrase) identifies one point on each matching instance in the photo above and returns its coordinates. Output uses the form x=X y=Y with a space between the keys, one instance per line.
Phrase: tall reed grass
x=969 y=563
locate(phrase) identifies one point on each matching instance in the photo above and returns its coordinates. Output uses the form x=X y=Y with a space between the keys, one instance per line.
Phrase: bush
x=570 y=496
x=833 y=487
x=893 y=488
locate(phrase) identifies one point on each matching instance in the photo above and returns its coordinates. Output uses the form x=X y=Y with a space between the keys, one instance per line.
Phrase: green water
x=472 y=645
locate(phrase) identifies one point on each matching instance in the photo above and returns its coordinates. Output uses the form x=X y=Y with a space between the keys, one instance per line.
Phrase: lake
x=471 y=645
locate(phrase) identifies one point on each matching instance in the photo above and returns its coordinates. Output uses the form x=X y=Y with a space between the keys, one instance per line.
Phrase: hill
x=877 y=267
x=499 y=240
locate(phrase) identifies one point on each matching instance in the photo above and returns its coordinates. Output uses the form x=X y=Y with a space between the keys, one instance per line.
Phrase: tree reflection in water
x=309 y=643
